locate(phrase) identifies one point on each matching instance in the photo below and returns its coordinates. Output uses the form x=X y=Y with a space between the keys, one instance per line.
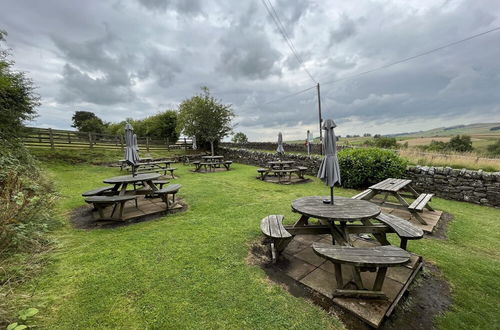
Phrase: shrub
x=382 y=142
x=494 y=149
x=364 y=167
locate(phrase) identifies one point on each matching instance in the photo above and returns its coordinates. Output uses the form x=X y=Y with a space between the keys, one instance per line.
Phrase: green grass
x=189 y=270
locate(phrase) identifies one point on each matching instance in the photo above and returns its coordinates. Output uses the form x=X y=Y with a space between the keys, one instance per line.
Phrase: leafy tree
x=86 y=121
x=240 y=137
x=18 y=99
x=162 y=125
x=206 y=118
x=460 y=143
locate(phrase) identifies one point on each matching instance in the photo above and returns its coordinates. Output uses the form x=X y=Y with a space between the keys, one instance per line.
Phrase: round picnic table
x=121 y=182
x=213 y=158
x=343 y=210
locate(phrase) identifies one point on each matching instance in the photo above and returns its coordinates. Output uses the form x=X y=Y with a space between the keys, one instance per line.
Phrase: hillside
x=471 y=129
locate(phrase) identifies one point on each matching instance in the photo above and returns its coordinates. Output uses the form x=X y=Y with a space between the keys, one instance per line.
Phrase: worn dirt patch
x=440 y=231
x=81 y=217
x=428 y=295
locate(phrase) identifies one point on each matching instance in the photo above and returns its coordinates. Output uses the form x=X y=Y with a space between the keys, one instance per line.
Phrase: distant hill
x=471 y=129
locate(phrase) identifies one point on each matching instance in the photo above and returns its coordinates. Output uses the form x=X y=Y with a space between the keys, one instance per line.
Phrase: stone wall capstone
x=271 y=146
x=477 y=187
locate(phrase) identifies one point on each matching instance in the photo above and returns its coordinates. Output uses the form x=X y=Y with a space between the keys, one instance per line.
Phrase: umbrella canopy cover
x=194 y=143
x=329 y=171
x=131 y=154
x=280 y=149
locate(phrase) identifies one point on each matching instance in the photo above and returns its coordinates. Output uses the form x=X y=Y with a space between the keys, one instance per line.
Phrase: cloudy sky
x=134 y=58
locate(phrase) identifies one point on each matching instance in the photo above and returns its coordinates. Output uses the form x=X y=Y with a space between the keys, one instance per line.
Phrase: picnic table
x=161 y=166
x=211 y=163
x=123 y=162
x=280 y=164
x=282 y=168
x=338 y=220
x=394 y=187
x=121 y=182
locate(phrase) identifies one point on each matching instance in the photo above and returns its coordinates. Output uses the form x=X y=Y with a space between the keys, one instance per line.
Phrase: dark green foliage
x=206 y=118
x=86 y=121
x=459 y=143
x=382 y=142
x=18 y=99
x=240 y=137
x=496 y=128
x=360 y=168
x=494 y=149
x=160 y=126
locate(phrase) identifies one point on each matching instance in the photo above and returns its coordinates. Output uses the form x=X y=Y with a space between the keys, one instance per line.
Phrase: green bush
x=382 y=142
x=363 y=167
x=494 y=149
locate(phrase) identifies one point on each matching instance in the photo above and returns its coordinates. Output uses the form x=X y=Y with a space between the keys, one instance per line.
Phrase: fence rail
x=61 y=139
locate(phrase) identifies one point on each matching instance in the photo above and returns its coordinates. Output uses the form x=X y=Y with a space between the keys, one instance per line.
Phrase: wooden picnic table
x=212 y=162
x=213 y=158
x=393 y=187
x=121 y=182
x=123 y=162
x=280 y=164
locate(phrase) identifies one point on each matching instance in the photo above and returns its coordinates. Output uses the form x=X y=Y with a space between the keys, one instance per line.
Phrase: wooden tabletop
x=277 y=162
x=344 y=209
x=212 y=157
x=391 y=184
x=132 y=179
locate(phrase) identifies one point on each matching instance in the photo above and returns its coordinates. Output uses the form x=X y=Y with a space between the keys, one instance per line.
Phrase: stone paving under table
x=145 y=207
x=304 y=266
x=431 y=217
x=284 y=180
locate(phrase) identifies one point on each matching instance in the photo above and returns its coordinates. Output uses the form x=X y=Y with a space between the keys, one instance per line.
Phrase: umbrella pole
x=331 y=195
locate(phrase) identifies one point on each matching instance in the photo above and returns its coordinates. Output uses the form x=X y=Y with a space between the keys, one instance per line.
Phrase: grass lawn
x=188 y=270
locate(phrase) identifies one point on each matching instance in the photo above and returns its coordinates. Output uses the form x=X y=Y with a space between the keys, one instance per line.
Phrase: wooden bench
x=263 y=173
x=171 y=170
x=101 y=202
x=363 y=259
x=170 y=190
x=283 y=172
x=272 y=227
x=421 y=202
x=160 y=183
x=367 y=194
x=97 y=191
x=302 y=171
x=227 y=164
x=403 y=228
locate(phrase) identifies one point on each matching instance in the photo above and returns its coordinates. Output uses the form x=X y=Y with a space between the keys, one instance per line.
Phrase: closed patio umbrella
x=280 y=149
x=131 y=154
x=194 y=143
x=329 y=171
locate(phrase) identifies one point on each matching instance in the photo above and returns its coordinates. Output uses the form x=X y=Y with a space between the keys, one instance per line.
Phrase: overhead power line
x=281 y=28
x=411 y=57
x=288 y=96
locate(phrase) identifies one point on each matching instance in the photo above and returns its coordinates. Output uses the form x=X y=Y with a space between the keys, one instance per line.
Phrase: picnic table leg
x=380 y=237
x=415 y=214
x=412 y=191
x=124 y=189
x=303 y=221
x=379 y=280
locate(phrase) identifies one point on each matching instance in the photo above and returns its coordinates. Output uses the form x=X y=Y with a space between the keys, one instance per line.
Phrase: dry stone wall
x=462 y=185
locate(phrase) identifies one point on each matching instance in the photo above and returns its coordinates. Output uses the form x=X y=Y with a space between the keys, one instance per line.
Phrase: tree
x=460 y=143
x=240 y=137
x=18 y=100
x=494 y=149
x=206 y=118
x=86 y=121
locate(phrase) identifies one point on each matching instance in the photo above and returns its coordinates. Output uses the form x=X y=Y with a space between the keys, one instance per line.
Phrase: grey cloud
x=346 y=28
x=181 y=6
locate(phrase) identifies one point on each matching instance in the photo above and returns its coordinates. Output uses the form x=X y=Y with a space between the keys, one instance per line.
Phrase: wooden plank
x=402 y=227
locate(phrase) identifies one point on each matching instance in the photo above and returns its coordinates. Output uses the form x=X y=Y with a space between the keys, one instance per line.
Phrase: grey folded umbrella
x=280 y=149
x=329 y=170
x=194 y=143
x=131 y=154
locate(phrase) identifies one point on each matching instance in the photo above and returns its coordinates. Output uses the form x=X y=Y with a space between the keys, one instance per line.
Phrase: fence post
x=168 y=144
x=39 y=137
x=69 y=138
x=90 y=140
x=185 y=144
x=51 y=138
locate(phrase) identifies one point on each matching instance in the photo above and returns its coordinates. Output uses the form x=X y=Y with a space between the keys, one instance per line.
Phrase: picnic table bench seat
x=365 y=259
x=100 y=202
x=97 y=191
x=227 y=164
x=302 y=171
x=263 y=172
x=272 y=227
x=421 y=202
x=169 y=190
x=364 y=195
x=160 y=183
x=403 y=228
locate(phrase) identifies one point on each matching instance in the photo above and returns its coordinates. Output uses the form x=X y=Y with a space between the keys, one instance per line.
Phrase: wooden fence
x=61 y=139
